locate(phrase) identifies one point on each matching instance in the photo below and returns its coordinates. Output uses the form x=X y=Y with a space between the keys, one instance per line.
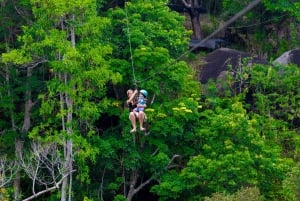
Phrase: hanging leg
x=133 y=122
x=141 y=116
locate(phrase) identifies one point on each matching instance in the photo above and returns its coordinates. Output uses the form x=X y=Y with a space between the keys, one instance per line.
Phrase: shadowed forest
x=222 y=86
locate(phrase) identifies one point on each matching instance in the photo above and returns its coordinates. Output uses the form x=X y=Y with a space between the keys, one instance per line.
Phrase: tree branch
x=34 y=64
x=45 y=166
x=234 y=18
x=142 y=185
x=135 y=175
x=56 y=186
x=186 y=4
x=21 y=13
x=155 y=152
x=7 y=171
x=171 y=161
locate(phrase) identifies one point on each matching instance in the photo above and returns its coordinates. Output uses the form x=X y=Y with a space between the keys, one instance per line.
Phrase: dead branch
x=34 y=64
x=44 y=165
x=56 y=186
x=135 y=175
x=7 y=171
x=170 y=165
x=186 y=4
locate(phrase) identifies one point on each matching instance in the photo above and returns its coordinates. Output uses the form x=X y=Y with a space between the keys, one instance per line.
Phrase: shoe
x=133 y=131
x=143 y=129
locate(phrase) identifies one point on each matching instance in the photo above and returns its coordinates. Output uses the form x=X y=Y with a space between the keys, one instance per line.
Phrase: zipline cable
x=230 y=21
x=259 y=23
x=202 y=42
x=130 y=47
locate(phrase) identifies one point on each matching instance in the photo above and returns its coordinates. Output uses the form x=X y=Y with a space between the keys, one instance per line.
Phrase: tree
x=194 y=10
x=155 y=36
x=8 y=169
x=266 y=31
x=69 y=43
x=245 y=194
x=44 y=165
x=14 y=123
x=232 y=154
x=275 y=91
x=64 y=82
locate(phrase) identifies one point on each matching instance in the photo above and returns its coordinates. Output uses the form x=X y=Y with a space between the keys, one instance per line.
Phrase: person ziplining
x=136 y=107
x=131 y=102
x=135 y=104
x=141 y=101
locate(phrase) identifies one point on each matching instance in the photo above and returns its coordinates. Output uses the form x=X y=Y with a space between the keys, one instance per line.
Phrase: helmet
x=144 y=92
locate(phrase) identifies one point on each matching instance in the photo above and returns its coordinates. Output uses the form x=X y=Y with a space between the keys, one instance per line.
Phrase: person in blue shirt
x=136 y=108
x=141 y=101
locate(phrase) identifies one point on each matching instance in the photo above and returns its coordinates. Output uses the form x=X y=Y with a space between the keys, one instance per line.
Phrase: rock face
x=220 y=61
x=224 y=59
x=289 y=57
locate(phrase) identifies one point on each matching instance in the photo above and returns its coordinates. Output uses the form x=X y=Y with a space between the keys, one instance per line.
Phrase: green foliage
x=87 y=199
x=233 y=7
x=176 y=121
x=152 y=40
x=120 y=198
x=291 y=7
x=18 y=57
x=170 y=188
x=277 y=91
x=4 y=195
x=258 y=29
x=78 y=71
x=291 y=185
x=245 y=194
x=153 y=35
x=7 y=142
x=232 y=154
x=196 y=148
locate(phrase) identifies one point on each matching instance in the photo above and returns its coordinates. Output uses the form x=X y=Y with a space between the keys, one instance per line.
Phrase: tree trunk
x=133 y=188
x=28 y=103
x=133 y=180
x=66 y=190
x=18 y=144
x=17 y=181
x=66 y=184
x=233 y=19
x=195 y=15
x=7 y=79
x=194 y=11
x=25 y=129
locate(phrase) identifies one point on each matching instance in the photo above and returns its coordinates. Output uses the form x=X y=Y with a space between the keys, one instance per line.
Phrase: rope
x=130 y=47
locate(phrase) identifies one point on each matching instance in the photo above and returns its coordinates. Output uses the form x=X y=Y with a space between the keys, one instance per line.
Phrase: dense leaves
x=64 y=81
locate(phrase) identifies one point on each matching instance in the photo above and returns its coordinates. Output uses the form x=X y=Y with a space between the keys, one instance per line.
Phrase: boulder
x=289 y=57
x=219 y=61
x=211 y=44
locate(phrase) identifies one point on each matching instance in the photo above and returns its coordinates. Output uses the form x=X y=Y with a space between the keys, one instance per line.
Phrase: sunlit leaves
x=233 y=153
x=54 y=9
x=152 y=34
x=16 y=56
x=283 y=5
x=170 y=188
x=277 y=91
